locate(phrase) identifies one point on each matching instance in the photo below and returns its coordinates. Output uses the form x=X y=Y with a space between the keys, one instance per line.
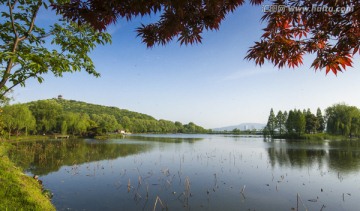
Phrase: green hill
x=84 y=119
x=83 y=107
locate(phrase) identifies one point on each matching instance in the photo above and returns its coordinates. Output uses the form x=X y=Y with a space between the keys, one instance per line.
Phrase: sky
x=209 y=84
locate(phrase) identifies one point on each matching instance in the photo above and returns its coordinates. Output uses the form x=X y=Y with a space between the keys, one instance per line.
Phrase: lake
x=195 y=172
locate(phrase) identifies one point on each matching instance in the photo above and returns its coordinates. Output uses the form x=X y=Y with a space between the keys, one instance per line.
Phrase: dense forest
x=339 y=119
x=82 y=119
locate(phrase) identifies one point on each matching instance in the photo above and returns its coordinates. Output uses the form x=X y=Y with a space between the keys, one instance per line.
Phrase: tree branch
x=3 y=93
x=9 y=66
x=10 y=62
x=11 y=7
x=32 y=21
x=38 y=38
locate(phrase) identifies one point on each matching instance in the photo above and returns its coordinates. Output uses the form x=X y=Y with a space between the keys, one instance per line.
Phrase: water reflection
x=341 y=156
x=344 y=156
x=43 y=157
x=195 y=172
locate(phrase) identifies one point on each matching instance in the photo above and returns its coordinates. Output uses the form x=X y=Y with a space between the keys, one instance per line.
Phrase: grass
x=28 y=138
x=315 y=137
x=17 y=190
x=325 y=136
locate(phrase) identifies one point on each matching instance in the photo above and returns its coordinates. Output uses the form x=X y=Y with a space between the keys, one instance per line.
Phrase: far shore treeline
x=338 y=120
x=60 y=116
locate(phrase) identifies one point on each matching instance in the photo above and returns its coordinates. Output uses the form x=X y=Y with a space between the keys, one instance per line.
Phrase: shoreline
x=19 y=191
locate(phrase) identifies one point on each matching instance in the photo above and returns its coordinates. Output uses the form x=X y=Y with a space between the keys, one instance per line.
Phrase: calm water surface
x=195 y=172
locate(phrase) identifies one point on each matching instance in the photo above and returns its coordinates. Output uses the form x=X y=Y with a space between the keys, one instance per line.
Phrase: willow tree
x=343 y=120
x=29 y=49
x=47 y=113
x=17 y=118
x=327 y=29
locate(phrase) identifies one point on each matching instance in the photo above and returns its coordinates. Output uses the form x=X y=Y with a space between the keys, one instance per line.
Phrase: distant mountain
x=243 y=126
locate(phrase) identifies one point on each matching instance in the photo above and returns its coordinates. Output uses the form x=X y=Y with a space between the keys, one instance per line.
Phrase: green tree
x=139 y=126
x=355 y=125
x=179 y=127
x=290 y=122
x=286 y=115
x=152 y=126
x=18 y=117
x=311 y=122
x=24 y=118
x=271 y=123
x=342 y=119
x=266 y=133
x=236 y=131
x=97 y=119
x=64 y=128
x=126 y=123
x=4 y=100
x=321 y=122
x=105 y=123
x=167 y=126
x=300 y=122
x=280 y=121
x=8 y=120
x=46 y=113
x=30 y=50
x=70 y=119
x=82 y=123
x=190 y=128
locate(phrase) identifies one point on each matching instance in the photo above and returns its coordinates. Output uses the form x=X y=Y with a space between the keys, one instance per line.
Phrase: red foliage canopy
x=319 y=27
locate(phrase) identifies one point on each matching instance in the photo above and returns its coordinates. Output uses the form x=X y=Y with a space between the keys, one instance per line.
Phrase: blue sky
x=210 y=83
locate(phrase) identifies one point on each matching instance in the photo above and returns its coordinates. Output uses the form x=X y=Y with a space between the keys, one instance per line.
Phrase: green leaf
x=67 y=48
x=40 y=79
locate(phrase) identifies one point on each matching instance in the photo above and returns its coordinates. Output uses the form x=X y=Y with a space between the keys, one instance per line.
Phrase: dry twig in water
x=158 y=200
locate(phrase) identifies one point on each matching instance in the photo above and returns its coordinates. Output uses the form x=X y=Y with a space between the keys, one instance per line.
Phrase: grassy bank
x=17 y=190
x=28 y=138
x=318 y=136
x=46 y=137
x=325 y=136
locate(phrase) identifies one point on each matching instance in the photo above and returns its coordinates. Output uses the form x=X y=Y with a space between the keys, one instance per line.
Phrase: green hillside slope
x=84 y=119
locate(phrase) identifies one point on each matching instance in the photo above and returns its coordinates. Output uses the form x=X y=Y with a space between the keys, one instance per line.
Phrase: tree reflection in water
x=43 y=157
x=343 y=156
